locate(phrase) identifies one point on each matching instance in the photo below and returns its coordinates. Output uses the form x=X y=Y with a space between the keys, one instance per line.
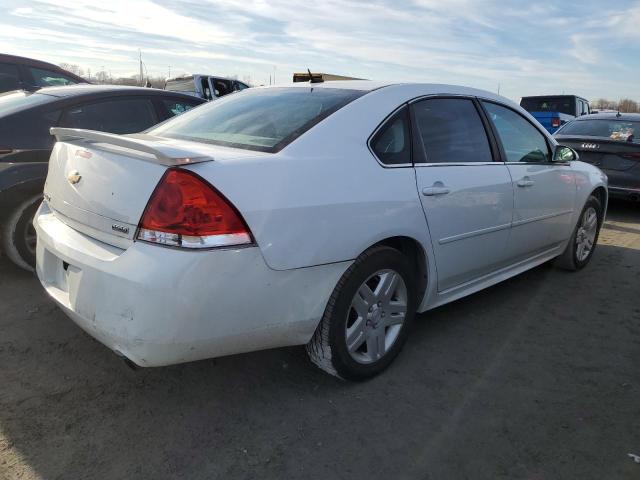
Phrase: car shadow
x=510 y=379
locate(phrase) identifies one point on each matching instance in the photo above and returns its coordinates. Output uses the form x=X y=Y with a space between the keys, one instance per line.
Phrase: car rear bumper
x=159 y=306
x=624 y=192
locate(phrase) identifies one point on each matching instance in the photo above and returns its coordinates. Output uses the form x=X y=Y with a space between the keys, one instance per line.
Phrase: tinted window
x=9 y=77
x=392 y=143
x=521 y=141
x=621 y=130
x=125 y=115
x=451 y=131
x=265 y=119
x=549 y=104
x=176 y=107
x=48 y=78
x=240 y=86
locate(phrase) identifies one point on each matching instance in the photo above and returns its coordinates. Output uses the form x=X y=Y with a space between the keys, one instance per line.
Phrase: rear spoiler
x=163 y=154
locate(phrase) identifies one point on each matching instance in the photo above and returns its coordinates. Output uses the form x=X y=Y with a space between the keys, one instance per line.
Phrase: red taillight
x=5 y=150
x=185 y=211
x=632 y=156
x=555 y=122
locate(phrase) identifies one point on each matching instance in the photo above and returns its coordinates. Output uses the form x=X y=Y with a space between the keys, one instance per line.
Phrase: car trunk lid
x=99 y=183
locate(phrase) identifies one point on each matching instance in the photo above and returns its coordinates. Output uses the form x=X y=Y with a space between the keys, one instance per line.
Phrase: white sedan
x=324 y=214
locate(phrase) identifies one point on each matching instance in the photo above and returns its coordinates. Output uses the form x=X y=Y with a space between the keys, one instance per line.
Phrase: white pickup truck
x=204 y=86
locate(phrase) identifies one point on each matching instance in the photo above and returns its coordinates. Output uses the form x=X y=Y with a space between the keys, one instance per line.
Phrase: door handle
x=526 y=182
x=437 y=189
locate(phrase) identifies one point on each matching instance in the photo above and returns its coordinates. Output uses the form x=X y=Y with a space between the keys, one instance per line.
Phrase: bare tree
x=627 y=105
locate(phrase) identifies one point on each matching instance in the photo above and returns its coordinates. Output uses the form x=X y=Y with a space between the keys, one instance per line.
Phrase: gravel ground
x=535 y=378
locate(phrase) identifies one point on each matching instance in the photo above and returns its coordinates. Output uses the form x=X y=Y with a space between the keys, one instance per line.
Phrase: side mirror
x=564 y=154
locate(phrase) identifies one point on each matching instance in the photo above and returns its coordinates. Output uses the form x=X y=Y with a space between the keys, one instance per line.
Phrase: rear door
x=544 y=191
x=466 y=195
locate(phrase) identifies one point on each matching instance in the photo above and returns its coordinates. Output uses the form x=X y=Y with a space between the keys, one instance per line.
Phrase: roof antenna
x=316 y=79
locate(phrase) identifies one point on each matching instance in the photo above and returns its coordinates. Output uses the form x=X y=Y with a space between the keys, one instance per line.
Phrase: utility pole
x=169 y=76
x=141 y=79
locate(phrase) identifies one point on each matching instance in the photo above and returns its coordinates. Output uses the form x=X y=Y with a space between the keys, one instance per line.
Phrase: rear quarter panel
x=324 y=198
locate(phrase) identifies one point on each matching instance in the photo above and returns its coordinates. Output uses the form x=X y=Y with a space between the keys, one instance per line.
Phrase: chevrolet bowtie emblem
x=74 y=177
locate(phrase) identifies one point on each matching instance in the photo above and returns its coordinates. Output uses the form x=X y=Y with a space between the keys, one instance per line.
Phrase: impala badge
x=74 y=177
x=119 y=228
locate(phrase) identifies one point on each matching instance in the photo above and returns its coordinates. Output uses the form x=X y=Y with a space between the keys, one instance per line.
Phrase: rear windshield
x=182 y=85
x=12 y=102
x=549 y=104
x=621 y=130
x=264 y=119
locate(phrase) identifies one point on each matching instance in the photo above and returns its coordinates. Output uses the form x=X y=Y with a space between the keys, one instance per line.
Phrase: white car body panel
x=312 y=208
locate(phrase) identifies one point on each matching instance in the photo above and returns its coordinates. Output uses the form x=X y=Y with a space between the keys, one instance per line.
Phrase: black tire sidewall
x=18 y=235
x=385 y=258
x=595 y=203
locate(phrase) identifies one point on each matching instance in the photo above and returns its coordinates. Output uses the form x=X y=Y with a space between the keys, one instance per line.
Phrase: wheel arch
x=416 y=253
x=602 y=195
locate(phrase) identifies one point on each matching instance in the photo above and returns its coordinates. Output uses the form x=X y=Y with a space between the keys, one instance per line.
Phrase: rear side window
x=451 y=131
x=392 y=143
x=176 y=107
x=264 y=119
x=29 y=129
x=521 y=141
x=48 y=78
x=9 y=77
x=121 y=115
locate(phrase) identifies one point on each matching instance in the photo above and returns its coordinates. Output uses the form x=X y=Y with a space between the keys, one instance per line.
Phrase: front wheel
x=367 y=317
x=583 y=241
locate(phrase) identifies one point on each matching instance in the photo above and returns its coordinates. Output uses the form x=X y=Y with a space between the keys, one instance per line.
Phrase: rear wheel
x=367 y=317
x=584 y=238
x=19 y=235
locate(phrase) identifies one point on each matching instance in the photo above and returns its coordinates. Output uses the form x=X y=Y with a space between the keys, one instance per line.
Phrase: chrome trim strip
x=517 y=223
x=624 y=189
x=474 y=233
x=458 y=164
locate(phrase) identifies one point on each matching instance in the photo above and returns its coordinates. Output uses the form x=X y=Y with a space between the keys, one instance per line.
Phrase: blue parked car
x=552 y=111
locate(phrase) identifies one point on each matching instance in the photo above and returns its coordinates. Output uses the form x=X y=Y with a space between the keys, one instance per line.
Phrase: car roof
x=104 y=90
x=610 y=116
x=32 y=62
x=414 y=88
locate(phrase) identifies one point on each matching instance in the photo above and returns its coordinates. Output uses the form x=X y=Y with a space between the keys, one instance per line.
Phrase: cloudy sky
x=589 y=47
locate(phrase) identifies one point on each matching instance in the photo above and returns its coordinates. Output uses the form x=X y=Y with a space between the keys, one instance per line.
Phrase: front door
x=467 y=197
x=544 y=191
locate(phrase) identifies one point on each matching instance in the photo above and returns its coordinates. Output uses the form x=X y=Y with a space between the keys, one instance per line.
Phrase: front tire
x=19 y=236
x=368 y=316
x=583 y=241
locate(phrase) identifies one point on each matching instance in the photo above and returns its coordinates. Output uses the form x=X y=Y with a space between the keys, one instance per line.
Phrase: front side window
x=521 y=141
x=263 y=119
x=9 y=77
x=120 y=115
x=451 y=131
x=392 y=143
x=47 y=78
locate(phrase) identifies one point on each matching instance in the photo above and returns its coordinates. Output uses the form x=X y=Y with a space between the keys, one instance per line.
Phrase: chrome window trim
x=457 y=164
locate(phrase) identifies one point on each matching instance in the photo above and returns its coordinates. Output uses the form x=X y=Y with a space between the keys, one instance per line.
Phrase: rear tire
x=368 y=316
x=18 y=234
x=584 y=238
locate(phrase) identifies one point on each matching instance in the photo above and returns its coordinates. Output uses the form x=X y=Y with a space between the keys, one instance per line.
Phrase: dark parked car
x=25 y=142
x=610 y=141
x=21 y=73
